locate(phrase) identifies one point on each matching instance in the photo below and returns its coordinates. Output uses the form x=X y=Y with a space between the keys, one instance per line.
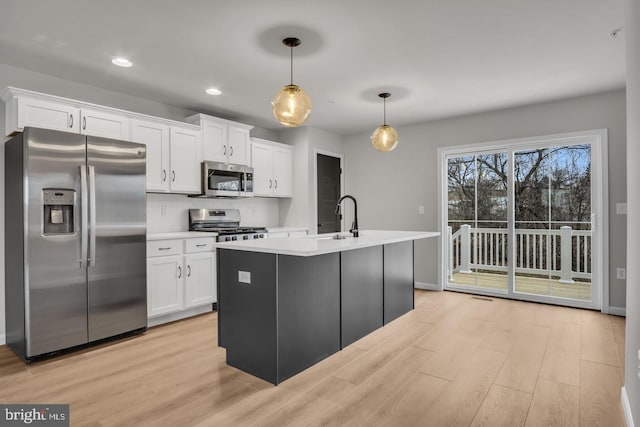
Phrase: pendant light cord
x=291 y=65
x=384 y=114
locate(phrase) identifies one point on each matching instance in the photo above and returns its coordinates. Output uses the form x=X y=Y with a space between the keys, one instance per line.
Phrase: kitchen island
x=287 y=303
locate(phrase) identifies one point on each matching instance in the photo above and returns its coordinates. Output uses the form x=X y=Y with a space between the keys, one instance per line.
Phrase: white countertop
x=179 y=235
x=285 y=229
x=324 y=243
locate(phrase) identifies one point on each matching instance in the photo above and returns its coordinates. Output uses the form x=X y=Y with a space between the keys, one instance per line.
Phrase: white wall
x=294 y=212
x=301 y=209
x=390 y=186
x=263 y=212
x=168 y=212
x=632 y=339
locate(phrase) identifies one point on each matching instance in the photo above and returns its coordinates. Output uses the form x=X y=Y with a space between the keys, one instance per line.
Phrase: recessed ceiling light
x=213 y=91
x=121 y=62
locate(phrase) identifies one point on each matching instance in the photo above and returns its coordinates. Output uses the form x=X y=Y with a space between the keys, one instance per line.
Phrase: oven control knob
x=260 y=236
x=245 y=237
x=226 y=239
x=234 y=238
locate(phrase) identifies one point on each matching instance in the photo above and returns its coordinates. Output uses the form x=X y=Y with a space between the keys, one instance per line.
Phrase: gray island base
x=280 y=313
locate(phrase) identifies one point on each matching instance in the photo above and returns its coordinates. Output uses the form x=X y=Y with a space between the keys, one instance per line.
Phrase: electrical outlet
x=244 y=277
x=421 y=210
x=163 y=210
x=621 y=273
x=621 y=208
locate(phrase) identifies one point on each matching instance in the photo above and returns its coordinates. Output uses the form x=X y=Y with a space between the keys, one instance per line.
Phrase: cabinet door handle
x=164 y=249
x=71 y=121
x=276 y=185
x=164 y=175
x=84 y=123
x=173 y=176
x=188 y=271
x=270 y=183
x=231 y=150
x=179 y=272
x=201 y=245
x=224 y=150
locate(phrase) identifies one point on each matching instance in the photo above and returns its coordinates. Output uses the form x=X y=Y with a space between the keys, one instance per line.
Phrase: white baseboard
x=618 y=311
x=626 y=406
x=172 y=317
x=426 y=286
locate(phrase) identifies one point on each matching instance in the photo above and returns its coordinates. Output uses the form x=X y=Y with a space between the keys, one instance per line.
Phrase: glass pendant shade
x=291 y=106
x=384 y=138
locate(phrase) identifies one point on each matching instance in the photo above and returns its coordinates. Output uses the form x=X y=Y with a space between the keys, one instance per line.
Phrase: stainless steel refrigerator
x=75 y=240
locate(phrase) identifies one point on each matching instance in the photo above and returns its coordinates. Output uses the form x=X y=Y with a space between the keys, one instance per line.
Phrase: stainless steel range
x=225 y=222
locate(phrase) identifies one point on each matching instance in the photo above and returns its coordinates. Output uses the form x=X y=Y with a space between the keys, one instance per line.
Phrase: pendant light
x=384 y=138
x=291 y=105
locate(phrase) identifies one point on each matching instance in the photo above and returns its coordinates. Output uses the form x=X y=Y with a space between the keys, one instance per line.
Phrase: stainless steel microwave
x=226 y=180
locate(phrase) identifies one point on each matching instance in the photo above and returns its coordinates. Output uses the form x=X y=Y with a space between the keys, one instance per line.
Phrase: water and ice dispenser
x=58 y=211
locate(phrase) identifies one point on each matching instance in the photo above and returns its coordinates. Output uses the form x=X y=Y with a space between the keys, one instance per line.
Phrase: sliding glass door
x=477 y=220
x=519 y=220
x=552 y=201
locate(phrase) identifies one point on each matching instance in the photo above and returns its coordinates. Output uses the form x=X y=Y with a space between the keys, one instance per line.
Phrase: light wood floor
x=454 y=360
x=525 y=284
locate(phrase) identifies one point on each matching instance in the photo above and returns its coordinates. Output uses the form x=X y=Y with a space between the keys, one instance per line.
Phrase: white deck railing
x=565 y=253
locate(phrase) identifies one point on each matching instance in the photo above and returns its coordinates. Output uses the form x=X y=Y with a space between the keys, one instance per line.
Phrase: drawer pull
x=201 y=245
x=164 y=249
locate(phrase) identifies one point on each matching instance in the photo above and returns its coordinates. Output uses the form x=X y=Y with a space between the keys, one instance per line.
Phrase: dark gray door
x=328 y=169
x=117 y=292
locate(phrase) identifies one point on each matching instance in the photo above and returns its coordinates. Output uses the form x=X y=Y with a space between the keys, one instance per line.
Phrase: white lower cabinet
x=164 y=285
x=201 y=269
x=181 y=279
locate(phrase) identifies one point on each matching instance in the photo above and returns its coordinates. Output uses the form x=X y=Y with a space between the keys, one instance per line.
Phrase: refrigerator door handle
x=84 y=207
x=92 y=216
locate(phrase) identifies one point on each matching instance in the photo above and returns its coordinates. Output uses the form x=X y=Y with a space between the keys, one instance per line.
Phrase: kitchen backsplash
x=169 y=212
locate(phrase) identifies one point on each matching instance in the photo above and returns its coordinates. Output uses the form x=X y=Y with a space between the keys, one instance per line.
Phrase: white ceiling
x=438 y=58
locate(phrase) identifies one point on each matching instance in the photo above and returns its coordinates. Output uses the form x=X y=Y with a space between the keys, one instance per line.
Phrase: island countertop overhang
x=325 y=244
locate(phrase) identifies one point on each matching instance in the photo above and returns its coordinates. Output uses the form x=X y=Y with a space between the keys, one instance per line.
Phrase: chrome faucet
x=354 y=226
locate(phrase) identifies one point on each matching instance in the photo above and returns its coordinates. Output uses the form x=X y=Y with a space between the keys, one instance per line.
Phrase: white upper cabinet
x=238 y=145
x=262 y=164
x=223 y=140
x=185 y=154
x=156 y=137
x=272 y=164
x=103 y=124
x=26 y=108
x=44 y=114
x=173 y=156
x=214 y=138
x=282 y=171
